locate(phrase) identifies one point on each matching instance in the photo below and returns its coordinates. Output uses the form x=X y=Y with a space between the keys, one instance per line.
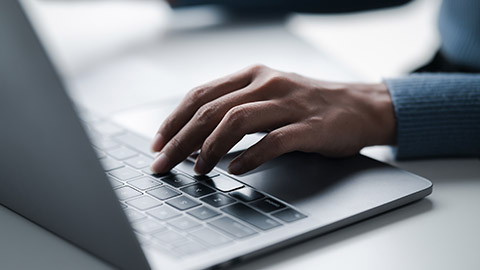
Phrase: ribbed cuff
x=438 y=115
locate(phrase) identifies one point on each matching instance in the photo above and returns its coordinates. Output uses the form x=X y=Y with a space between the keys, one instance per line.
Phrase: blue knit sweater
x=437 y=114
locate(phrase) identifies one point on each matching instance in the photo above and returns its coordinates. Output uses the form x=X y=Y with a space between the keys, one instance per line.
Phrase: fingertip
x=235 y=168
x=200 y=165
x=159 y=165
x=153 y=169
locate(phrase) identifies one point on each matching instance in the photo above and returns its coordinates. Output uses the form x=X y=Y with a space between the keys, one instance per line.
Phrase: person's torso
x=459 y=26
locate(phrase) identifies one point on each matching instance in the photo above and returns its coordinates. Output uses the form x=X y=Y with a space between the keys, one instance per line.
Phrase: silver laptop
x=104 y=199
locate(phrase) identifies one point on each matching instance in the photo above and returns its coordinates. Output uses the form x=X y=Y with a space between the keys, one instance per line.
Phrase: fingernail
x=200 y=166
x=235 y=168
x=159 y=165
x=158 y=143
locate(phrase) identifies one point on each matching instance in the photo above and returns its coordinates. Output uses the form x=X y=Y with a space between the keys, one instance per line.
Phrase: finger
x=192 y=135
x=237 y=122
x=279 y=141
x=196 y=98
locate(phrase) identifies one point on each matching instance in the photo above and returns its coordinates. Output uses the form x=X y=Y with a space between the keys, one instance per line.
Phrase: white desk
x=440 y=232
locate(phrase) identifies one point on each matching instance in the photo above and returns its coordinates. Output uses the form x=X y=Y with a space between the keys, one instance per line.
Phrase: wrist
x=384 y=116
x=380 y=128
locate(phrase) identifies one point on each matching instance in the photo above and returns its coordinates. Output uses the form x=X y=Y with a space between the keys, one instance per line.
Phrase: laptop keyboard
x=182 y=213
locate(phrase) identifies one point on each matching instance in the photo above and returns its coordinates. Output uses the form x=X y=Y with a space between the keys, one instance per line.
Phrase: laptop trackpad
x=314 y=183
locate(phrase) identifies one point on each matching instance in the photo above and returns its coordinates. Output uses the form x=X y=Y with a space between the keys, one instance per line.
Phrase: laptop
x=87 y=180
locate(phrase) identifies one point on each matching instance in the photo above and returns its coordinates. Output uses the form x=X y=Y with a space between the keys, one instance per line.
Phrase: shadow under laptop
x=324 y=241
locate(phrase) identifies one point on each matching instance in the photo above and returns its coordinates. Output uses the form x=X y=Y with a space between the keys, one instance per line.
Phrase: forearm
x=437 y=115
x=296 y=5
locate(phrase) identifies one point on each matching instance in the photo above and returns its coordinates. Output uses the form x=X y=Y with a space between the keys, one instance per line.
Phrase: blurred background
x=128 y=58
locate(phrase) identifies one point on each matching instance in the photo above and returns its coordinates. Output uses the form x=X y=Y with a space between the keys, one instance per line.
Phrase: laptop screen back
x=50 y=173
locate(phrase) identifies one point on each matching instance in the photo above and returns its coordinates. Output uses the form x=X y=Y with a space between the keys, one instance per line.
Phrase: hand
x=302 y=114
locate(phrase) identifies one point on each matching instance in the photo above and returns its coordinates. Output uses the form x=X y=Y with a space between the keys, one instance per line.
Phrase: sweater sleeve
x=324 y=6
x=438 y=115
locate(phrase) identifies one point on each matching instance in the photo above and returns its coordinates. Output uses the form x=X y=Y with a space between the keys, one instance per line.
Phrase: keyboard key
x=268 y=205
x=232 y=227
x=184 y=223
x=223 y=183
x=125 y=193
x=164 y=212
x=178 y=180
x=289 y=215
x=189 y=248
x=163 y=193
x=122 y=153
x=247 y=194
x=210 y=237
x=186 y=167
x=135 y=142
x=144 y=203
x=104 y=144
x=124 y=173
x=109 y=164
x=203 y=213
x=133 y=215
x=166 y=250
x=218 y=200
x=115 y=183
x=138 y=162
x=183 y=203
x=169 y=236
x=253 y=217
x=144 y=183
x=197 y=190
x=148 y=226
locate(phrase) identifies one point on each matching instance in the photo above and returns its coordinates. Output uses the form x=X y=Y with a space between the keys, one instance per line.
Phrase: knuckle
x=196 y=94
x=256 y=68
x=206 y=113
x=237 y=116
x=275 y=79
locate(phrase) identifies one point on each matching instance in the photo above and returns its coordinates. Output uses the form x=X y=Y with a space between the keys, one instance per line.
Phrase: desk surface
x=440 y=232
